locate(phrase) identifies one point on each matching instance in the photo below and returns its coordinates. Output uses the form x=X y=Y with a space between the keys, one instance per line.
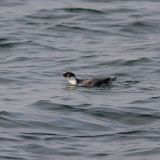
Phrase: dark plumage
x=87 y=82
x=68 y=75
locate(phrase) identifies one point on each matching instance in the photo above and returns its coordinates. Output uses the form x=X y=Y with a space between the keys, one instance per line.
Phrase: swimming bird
x=72 y=80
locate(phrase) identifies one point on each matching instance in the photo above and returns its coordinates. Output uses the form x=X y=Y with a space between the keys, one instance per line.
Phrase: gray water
x=41 y=118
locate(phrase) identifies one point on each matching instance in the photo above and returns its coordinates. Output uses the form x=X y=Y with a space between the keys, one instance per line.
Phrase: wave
x=124 y=117
x=82 y=10
x=49 y=14
x=122 y=62
x=4 y=44
x=139 y=61
x=11 y=120
x=49 y=105
x=67 y=28
x=8 y=80
x=138 y=27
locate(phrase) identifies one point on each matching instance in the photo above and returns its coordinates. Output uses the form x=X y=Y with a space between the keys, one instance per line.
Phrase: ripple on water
x=83 y=10
x=8 y=80
x=12 y=120
x=121 y=62
x=146 y=100
x=11 y=44
x=49 y=105
x=140 y=61
x=140 y=27
x=76 y=29
x=8 y=45
x=128 y=118
x=53 y=13
x=12 y=157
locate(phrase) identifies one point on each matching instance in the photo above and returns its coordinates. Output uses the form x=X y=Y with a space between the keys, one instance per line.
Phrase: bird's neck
x=72 y=81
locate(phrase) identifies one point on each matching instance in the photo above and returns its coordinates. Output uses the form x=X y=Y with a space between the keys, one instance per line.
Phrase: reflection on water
x=70 y=87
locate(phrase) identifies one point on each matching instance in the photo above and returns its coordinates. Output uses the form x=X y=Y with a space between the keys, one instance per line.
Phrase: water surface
x=41 y=117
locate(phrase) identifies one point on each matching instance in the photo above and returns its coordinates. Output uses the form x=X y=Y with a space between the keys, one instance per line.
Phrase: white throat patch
x=72 y=81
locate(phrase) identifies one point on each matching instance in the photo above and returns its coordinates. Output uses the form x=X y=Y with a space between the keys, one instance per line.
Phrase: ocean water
x=41 y=117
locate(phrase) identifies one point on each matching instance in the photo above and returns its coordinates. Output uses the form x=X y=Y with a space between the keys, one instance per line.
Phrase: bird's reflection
x=70 y=87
